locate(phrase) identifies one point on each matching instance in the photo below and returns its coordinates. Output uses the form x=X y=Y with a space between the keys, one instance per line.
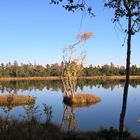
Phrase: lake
x=104 y=114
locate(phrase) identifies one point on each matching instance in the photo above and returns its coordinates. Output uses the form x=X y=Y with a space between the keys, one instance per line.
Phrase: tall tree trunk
x=125 y=93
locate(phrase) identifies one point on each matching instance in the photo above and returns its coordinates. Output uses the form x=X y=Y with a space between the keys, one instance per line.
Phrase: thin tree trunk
x=124 y=104
x=65 y=90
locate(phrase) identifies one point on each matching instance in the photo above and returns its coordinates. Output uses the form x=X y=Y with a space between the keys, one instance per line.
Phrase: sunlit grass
x=15 y=100
x=80 y=99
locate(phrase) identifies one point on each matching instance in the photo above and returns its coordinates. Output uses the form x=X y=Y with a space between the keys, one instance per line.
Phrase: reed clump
x=81 y=99
x=15 y=100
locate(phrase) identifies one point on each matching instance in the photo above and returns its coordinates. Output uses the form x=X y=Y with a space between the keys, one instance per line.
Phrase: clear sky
x=33 y=30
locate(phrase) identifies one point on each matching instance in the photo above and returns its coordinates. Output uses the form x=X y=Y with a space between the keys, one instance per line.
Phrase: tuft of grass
x=80 y=99
x=15 y=100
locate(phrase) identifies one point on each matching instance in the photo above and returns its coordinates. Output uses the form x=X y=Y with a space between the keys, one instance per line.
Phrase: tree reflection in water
x=123 y=111
x=69 y=121
x=15 y=86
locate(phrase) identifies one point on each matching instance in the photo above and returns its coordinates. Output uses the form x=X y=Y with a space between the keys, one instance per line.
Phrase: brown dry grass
x=59 y=78
x=80 y=99
x=110 y=77
x=29 y=78
x=13 y=100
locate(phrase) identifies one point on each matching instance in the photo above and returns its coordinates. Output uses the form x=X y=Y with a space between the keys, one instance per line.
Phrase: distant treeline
x=29 y=70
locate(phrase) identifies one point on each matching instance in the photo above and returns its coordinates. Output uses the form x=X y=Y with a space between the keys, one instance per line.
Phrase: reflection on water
x=122 y=116
x=102 y=115
x=69 y=121
x=56 y=85
x=124 y=105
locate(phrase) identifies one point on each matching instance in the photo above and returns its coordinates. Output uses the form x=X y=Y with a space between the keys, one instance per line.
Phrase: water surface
x=104 y=114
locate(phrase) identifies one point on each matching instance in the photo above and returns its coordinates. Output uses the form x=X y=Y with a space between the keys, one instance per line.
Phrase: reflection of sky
x=103 y=114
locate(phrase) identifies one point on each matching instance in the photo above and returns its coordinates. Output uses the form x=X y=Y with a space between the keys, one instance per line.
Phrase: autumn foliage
x=73 y=64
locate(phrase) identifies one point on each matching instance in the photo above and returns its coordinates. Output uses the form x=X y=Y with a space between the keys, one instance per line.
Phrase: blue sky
x=33 y=30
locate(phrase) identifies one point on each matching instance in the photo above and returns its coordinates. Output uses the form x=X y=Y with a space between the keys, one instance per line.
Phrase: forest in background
x=35 y=70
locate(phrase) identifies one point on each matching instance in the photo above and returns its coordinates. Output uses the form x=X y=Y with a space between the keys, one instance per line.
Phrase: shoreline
x=59 y=78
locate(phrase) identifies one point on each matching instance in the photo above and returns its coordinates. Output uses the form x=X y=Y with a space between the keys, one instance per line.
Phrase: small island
x=81 y=99
x=16 y=100
x=71 y=69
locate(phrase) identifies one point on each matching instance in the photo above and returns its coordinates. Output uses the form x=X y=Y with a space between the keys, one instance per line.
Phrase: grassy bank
x=110 y=77
x=34 y=130
x=29 y=78
x=59 y=78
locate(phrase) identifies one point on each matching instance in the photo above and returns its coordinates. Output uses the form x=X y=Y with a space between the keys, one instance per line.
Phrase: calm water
x=101 y=115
